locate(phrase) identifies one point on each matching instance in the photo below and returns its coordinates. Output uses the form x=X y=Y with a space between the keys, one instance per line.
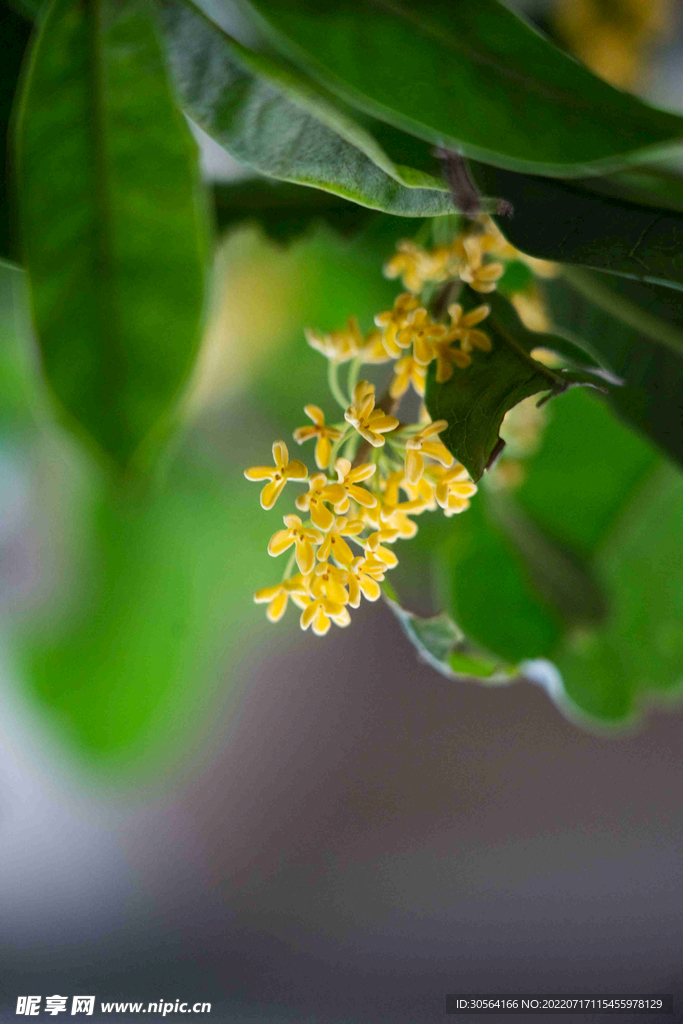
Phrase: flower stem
x=289 y=566
x=354 y=370
x=333 y=382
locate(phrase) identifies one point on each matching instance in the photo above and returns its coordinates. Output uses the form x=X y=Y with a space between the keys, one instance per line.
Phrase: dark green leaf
x=285 y=211
x=15 y=35
x=638 y=330
x=472 y=76
x=443 y=646
x=559 y=574
x=113 y=222
x=475 y=400
x=487 y=586
x=504 y=315
x=274 y=119
x=566 y=222
x=648 y=186
x=639 y=652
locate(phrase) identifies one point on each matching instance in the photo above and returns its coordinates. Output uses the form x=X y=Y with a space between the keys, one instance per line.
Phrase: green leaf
x=485 y=583
x=475 y=400
x=561 y=577
x=576 y=353
x=472 y=76
x=275 y=120
x=113 y=223
x=442 y=645
x=638 y=331
x=15 y=36
x=285 y=211
x=563 y=221
x=639 y=653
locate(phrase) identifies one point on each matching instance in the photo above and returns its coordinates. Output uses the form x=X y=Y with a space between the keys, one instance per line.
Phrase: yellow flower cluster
x=376 y=474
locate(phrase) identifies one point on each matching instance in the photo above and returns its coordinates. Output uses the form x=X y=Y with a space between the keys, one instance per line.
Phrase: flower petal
x=259 y=473
x=280 y=454
x=271 y=492
x=277 y=607
x=279 y=542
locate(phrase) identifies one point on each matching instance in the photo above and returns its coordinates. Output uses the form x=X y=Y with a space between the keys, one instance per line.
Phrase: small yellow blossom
x=483 y=277
x=373 y=350
x=330 y=581
x=320 y=491
x=393 y=320
x=338 y=346
x=421 y=444
x=277 y=597
x=323 y=433
x=463 y=324
x=422 y=331
x=453 y=488
x=321 y=612
x=411 y=263
x=531 y=309
x=363 y=576
x=303 y=537
x=408 y=371
x=334 y=543
x=370 y=423
x=445 y=354
x=278 y=475
x=375 y=545
x=348 y=480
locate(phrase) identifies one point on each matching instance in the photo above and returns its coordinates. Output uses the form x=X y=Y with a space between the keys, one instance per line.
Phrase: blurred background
x=195 y=804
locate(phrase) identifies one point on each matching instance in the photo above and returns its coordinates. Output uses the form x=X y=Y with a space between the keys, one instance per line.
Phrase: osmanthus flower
x=278 y=475
x=374 y=350
x=447 y=355
x=411 y=263
x=370 y=423
x=313 y=502
x=453 y=488
x=394 y=514
x=374 y=545
x=422 y=332
x=393 y=320
x=302 y=536
x=349 y=478
x=408 y=371
x=277 y=597
x=480 y=276
x=338 y=346
x=321 y=612
x=334 y=544
x=425 y=442
x=463 y=327
x=329 y=581
x=323 y=433
x=364 y=575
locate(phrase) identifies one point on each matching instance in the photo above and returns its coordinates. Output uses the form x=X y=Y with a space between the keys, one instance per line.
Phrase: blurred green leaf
x=638 y=330
x=113 y=222
x=16 y=31
x=472 y=76
x=639 y=652
x=648 y=186
x=128 y=672
x=275 y=120
x=285 y=211
x=486 y=584
x=505 y=317
x=560 y=576
x=563 y=221
x=475 y=399
x=442 y=645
